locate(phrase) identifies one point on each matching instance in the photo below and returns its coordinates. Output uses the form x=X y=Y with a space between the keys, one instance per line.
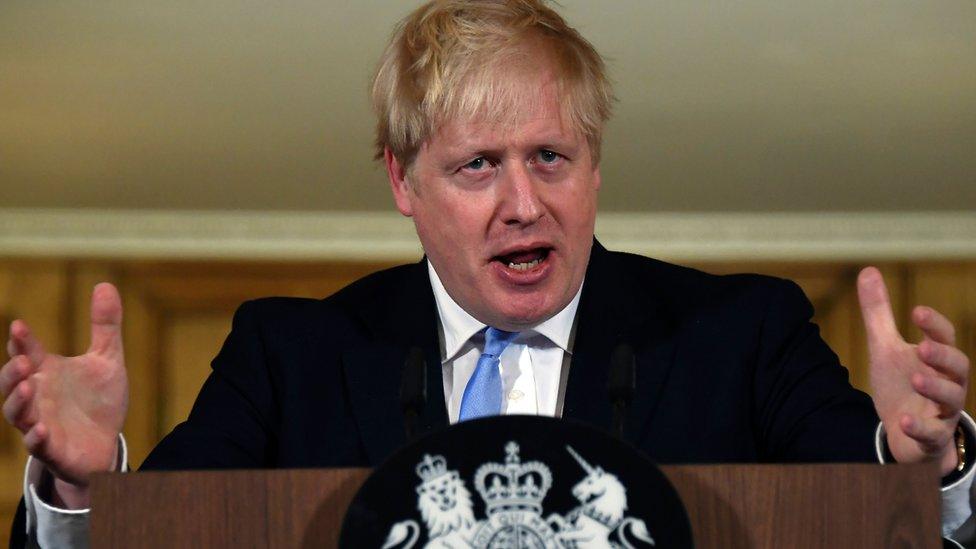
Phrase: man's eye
x=548 y=157
x=476 y=164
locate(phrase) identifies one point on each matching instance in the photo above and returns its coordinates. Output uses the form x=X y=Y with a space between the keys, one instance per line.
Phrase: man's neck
x=457 y=325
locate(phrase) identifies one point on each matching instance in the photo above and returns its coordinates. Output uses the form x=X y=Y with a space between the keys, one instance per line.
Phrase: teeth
x=525 y=266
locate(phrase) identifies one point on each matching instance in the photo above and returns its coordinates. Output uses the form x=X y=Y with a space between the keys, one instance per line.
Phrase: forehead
x=537 y=119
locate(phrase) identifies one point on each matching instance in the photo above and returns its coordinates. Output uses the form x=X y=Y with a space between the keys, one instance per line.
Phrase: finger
x=13 y=372
x=934 y=325
x=932 y=434
x=872 y=294
x=950 y=396
x=23 y=342
x=945 y=359
x=18 y=409
x=36 y=441
x=106 y=320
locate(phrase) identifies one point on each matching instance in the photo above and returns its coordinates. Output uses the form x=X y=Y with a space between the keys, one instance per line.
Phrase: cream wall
x=755 y=105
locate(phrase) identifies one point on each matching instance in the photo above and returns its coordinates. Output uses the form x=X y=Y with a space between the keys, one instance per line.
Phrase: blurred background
x=201 y=153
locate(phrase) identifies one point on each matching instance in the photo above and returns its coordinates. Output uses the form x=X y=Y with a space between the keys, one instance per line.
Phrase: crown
x=514 y=486
x=431 y=467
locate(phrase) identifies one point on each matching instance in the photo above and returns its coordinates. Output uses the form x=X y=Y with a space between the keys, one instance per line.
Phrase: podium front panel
x=755 y=506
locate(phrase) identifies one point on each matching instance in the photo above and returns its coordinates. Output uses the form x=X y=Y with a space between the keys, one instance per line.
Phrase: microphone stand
x=621 y=385
x=413 y=391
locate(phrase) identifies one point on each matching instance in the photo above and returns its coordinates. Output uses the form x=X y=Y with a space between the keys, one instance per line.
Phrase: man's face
x=505 y=213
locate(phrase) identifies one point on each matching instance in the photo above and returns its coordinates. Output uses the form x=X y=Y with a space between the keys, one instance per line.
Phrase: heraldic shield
x=517 y=482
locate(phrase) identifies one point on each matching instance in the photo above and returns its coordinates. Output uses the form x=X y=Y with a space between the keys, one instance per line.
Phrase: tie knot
x=496 y=340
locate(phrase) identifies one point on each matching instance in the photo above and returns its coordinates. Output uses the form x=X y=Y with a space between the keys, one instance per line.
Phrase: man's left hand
x=919 y=389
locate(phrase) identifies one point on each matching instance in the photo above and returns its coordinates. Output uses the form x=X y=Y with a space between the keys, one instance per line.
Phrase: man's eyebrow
x=537 y=142
x=461 y=152
x=559 y=142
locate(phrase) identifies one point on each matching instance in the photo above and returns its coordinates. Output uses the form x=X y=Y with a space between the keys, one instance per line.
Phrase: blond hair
x=454 y=60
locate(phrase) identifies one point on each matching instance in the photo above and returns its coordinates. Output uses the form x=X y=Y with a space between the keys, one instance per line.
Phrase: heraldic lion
x=445 y=505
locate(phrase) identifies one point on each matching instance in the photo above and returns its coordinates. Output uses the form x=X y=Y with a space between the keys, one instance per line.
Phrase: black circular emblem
x=517 y=482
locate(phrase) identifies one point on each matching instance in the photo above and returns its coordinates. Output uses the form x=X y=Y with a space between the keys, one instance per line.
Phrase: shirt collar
x=458 y=326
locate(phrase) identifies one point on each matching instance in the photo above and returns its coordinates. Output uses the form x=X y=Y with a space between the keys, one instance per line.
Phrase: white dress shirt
x=531 y=366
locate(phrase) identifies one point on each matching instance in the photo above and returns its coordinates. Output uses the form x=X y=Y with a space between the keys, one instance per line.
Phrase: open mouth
x=524 y=260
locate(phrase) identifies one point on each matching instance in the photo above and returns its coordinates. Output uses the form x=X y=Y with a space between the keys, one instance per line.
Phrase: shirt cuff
x=956 y=507
x=50 y=526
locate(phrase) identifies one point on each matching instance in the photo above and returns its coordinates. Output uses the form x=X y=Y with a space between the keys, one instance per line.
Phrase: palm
x=892 y=368
x=78 y=399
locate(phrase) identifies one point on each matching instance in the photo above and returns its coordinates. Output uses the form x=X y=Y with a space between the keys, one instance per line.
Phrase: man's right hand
x=70 y=409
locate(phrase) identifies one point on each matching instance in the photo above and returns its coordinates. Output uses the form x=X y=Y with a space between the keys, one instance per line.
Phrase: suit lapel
x=617 y=307
x=373 y=371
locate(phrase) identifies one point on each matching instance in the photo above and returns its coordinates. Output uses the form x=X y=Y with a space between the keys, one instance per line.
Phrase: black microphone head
x=413 y=388
x=621 y=378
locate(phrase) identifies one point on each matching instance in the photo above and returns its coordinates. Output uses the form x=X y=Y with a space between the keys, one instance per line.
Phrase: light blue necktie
x=483 y=393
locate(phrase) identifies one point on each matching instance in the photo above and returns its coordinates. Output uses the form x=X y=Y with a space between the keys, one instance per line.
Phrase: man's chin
x=518 y=313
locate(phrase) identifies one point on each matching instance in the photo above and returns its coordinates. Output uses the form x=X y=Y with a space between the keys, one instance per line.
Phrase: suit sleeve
x=806 y=408
x=233 y=421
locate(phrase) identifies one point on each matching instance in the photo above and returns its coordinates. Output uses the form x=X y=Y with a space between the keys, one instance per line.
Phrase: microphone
x=621 y=384
x=413 y=390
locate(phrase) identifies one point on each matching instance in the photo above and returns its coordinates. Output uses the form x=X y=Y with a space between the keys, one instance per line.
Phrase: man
x=490 y=121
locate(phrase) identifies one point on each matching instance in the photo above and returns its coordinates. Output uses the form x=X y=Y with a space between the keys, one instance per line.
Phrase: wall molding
x=131 y=234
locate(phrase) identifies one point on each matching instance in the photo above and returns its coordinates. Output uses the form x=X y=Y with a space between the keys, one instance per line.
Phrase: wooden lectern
x=774 y=506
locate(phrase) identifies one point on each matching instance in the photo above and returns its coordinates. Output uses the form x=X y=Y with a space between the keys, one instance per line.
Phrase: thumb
x=879 y=321
x=106 y=320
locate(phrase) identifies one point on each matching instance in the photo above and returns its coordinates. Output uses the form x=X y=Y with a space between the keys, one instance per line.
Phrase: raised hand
x=70 y=409
x=919 y=390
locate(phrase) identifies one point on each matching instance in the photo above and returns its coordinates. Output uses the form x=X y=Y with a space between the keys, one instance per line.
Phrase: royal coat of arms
x=513 y=493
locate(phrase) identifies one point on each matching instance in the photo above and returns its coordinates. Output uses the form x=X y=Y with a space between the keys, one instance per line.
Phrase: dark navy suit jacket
x=729 y=369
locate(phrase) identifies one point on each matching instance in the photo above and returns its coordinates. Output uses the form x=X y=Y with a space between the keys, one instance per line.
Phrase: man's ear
x=397 y=173
x=596 y=178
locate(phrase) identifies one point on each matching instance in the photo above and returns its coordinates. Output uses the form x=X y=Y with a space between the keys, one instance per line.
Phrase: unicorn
x=600 y=514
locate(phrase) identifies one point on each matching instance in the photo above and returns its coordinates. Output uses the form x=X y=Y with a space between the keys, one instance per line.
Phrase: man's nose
x=521 y=202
